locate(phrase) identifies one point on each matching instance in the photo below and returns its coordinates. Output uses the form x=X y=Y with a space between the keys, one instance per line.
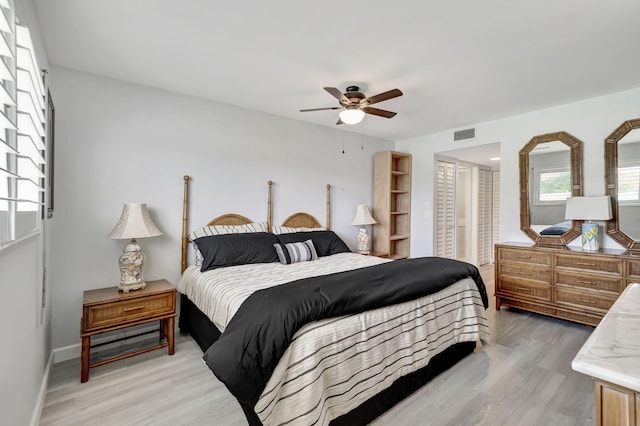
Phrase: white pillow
x=287 y=230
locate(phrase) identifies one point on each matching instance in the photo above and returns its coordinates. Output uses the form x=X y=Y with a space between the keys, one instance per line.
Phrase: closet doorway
x=467 y=203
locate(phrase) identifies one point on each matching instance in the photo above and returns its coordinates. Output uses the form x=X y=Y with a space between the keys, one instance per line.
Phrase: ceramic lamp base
x=131 y=263
x=590 y=237
x=362 y=239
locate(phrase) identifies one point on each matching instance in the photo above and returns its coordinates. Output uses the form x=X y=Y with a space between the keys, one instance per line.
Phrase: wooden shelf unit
x=392 y=203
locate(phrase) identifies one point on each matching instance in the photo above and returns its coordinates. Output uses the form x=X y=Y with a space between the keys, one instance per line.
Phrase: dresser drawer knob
x=523 y=289
x=585 y=264
x=591 y=302
x=587 y=282
x=133 y=308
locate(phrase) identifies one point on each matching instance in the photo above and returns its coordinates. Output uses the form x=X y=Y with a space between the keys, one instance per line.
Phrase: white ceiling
x=458 y=62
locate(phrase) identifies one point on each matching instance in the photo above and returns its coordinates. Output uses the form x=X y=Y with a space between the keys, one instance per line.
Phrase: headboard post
x=185 y=224
x=269 y=207
x=328 y=206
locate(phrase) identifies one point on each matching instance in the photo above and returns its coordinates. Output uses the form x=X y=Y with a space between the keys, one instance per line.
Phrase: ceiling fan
x=354 y=104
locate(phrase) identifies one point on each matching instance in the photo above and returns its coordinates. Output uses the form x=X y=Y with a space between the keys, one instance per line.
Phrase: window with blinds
x=22 y=131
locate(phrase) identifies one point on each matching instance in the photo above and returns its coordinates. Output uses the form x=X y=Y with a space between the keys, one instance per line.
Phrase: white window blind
x=444 y=217
x=22 y=131
x=496 y=211
x=484 y=217
x=629 y=184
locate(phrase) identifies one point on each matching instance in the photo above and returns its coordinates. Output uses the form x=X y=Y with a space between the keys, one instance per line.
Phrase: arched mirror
x=622 y=176
x=550 y=172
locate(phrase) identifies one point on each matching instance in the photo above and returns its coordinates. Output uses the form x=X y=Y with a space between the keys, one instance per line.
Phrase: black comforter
x=246 y=354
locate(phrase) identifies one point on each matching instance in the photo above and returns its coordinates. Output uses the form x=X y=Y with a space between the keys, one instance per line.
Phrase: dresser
x=562 y=282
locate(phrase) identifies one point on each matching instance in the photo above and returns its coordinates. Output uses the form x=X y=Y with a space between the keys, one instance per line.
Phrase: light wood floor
x=523 y=377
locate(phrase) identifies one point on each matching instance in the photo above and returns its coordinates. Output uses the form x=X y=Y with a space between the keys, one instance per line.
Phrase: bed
x=349 y=364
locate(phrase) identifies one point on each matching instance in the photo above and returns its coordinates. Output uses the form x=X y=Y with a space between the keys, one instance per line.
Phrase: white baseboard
x=37 y=410
x=74 y=351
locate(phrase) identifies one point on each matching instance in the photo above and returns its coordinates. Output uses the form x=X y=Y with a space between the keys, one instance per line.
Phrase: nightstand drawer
x=589 y=300
x=122 y=312
x=591 y=263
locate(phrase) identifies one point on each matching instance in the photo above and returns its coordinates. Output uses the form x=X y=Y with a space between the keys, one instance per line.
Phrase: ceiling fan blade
x=319 y=109
x=336 y=93
x=390 y=94
x=379 y=112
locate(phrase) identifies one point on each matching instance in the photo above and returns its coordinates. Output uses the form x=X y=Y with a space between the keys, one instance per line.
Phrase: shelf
x=392 y=203
x=396 y=237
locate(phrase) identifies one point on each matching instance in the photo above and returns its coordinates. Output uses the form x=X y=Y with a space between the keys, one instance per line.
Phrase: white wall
x=590 y=121
x=26 y=330
x=118 y=143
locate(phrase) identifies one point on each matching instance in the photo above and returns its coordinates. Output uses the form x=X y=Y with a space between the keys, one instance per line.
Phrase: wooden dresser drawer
x=524 y=256
x=594 y=282
x=576 y=298
x=543 y=275
x=524 y=289
x=633 y=269
x=592 y=263
x=108 y=314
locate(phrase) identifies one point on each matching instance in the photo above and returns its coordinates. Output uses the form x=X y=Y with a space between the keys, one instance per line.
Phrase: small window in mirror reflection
x=629 y=184
x=552 y=186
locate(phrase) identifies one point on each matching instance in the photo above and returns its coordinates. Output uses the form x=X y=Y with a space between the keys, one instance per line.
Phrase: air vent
x=463 y=135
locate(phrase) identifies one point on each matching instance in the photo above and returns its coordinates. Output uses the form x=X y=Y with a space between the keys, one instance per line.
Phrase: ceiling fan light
x=351 y=116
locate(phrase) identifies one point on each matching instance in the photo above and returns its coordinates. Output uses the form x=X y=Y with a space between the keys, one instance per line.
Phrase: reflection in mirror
x=550 y=172
x=549 y=187
x=629 y=184
x=622 y=154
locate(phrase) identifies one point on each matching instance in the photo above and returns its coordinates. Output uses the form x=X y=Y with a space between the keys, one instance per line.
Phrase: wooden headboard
x=296 y=220
x=225 y=219
x=305 y=220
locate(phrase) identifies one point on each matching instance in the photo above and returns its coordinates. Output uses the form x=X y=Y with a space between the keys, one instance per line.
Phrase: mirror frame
x=611 y=182
x=575 y=161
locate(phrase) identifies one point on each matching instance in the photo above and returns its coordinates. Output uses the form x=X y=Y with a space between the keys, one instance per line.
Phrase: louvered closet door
x=484 y=217
x=445 y=209
x=496 y=210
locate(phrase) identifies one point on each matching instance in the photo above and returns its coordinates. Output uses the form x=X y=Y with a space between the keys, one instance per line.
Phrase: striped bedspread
x=333 y=365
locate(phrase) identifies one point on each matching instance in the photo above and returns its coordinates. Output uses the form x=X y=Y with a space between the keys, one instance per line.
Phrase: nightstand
x=108 y=309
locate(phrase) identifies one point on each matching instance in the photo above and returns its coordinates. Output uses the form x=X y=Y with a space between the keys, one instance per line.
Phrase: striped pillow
x=208 y=231
x=288 y=230
x=296 y=252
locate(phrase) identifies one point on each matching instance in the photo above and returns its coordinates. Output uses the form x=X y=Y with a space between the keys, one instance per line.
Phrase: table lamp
x=134 y=222
x=362 y=219
x=588 y=209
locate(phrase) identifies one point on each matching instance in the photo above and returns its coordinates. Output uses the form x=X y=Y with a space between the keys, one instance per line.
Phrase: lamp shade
x=134 y=222
x=351 y=116
x=588 y=208
x=363 y=217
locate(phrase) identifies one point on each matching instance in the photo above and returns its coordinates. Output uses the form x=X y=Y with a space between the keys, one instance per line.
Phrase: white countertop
x=612 y=352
